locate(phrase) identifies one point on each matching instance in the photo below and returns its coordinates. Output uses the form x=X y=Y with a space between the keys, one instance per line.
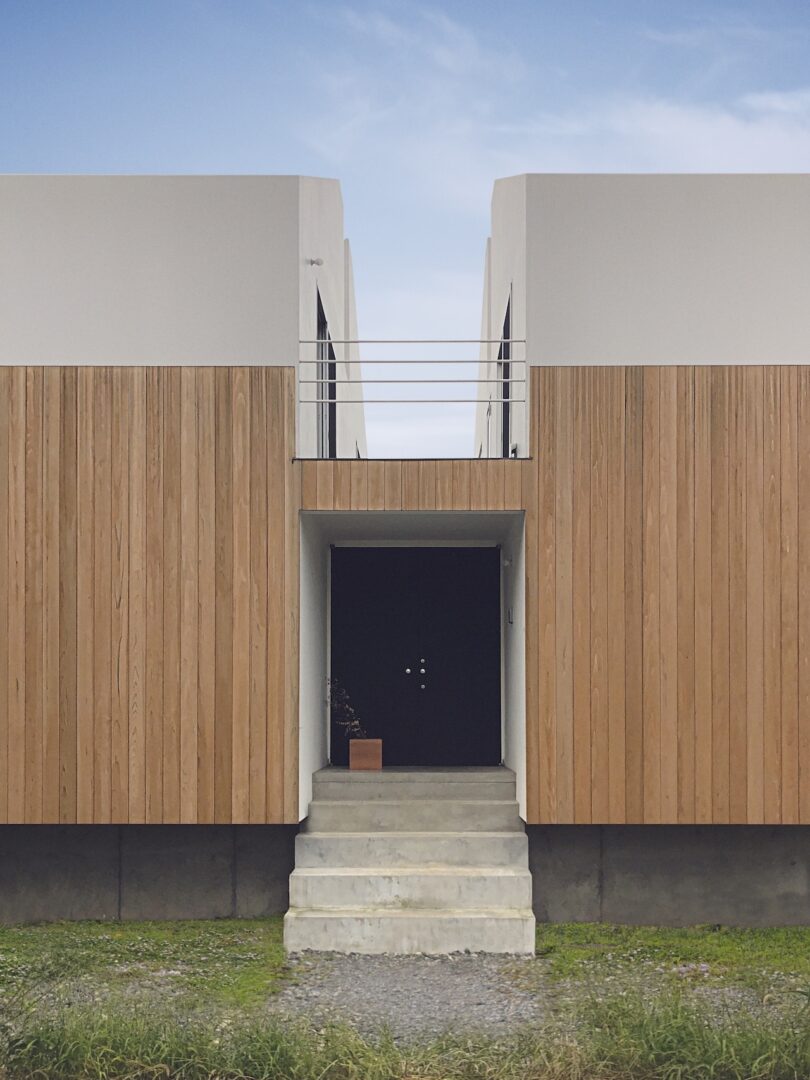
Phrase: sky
x=416 y=109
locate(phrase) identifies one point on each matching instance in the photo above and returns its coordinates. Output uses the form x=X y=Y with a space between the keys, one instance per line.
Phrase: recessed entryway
x=416 y=652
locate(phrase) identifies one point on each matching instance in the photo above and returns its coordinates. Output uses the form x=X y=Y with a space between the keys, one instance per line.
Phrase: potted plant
x=364 y=753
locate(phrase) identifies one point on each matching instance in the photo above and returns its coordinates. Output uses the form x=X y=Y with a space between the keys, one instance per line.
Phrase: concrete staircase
x=411 y=861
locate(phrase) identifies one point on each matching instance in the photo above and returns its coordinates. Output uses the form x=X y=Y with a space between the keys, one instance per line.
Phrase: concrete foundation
x=655 y=874
x=671 y=875
x=50 y=872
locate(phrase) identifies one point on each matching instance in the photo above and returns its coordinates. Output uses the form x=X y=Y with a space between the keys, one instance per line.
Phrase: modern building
x=586 y=647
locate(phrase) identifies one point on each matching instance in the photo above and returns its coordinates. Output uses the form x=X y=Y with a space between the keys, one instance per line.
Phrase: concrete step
x=399 y=784
x=417 y=849
x=410 y=887
x=427 y=815
x=377 y=930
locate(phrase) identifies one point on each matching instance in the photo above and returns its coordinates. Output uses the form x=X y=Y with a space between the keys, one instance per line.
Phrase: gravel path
x=414 y=997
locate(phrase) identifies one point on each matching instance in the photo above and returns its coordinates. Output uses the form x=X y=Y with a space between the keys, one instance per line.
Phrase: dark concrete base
x=143 y=871
x=671 y=875
x=666 y=875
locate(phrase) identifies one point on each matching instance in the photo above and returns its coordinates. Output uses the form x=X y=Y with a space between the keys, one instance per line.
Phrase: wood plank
x=189 y=594
x=325 y=472
x=540 y=486
x=789 y=400
x=427 y=485
x=803 y=555
x=376 y=485
x=68 y=595
x=393 y=485
x=259 y=600
x=754 y=591
x=538 y=767
x=444 y=485
x=207 y=598
x=172 y=599
x=479 y=471
x=720 y=598
x=668 y=552
x=615 y=440
x=32 y=627
x=703 y=596
x=276 y=626
x=651 y=554
x=5 y=548
x=633 y=539
x=102 y=597
x=512 y=486
x=737 y=541
x=410 y=485
x=154 y=596
x=52 y=407
x=564 y=610
x=496 y=483
x=119 y=614
x=599 y=628
x=16 y=595
x=309 y=485
x=137 y=726
x=292 y=498
x=772 y=616
x=241 y=645
x=358 y=484
x=85 y=734
x=462 y=485
x=685 y=511
x=342 y=485
x=224 y=519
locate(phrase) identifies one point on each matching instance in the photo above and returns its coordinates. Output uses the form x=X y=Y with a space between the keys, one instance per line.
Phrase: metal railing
x=336 y=376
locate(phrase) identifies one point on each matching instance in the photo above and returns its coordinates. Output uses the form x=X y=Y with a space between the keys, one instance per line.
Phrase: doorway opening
x=415 y=640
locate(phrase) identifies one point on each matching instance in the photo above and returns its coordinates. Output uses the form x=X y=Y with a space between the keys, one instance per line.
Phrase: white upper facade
x=648 y=269
x=176 y=270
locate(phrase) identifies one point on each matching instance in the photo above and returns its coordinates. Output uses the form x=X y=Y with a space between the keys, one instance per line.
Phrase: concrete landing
x=412 y=861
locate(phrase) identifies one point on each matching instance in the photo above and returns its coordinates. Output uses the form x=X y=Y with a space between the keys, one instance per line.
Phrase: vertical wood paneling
x=240 y=663
x=189 y=594
x=149 y=526
x=102 y=595
x=52 y=410
x=207 y=591
x=257 y=750
x=737 y=556
x=85 y=575
x=137 y=726
x=120 y=579
x=5 y=614
x=34 y=595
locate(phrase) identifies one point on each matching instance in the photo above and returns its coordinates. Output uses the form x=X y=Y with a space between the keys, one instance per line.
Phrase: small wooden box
x=365 y=753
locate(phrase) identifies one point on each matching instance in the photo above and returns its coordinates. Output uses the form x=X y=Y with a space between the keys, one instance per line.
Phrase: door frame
x=420 y=544
x=320 y=529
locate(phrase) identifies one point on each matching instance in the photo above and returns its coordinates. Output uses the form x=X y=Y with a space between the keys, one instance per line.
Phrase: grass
x=235 y=962
x=751 y=958
x=183 y=1000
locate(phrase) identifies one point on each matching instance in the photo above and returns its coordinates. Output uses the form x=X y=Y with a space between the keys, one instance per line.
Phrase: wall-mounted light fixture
x=315 y=262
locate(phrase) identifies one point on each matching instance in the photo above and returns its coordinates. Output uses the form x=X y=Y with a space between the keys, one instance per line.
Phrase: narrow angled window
x=327 y=389
x=505 y=382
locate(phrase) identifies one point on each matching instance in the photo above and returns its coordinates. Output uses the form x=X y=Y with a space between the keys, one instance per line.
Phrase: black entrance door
x=415 y=641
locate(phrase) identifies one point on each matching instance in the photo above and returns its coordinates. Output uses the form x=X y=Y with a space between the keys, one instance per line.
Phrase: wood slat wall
x=668 y=592
x=148 y=578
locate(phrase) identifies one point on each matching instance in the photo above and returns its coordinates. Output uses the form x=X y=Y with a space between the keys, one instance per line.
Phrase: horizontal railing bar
x=412 y=401
x=404 y=382
x=365 y=363
x=412 y=341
